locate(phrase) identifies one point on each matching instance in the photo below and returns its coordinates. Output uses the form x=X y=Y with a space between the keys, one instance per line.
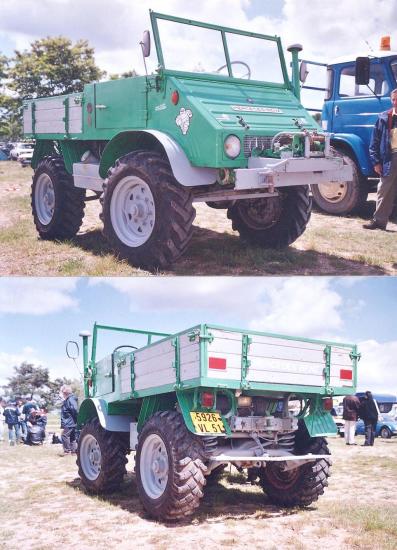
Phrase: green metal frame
x=154 y=16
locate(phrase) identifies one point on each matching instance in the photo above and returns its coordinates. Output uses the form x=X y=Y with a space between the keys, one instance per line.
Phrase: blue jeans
x=13 y=432
x=370 y=427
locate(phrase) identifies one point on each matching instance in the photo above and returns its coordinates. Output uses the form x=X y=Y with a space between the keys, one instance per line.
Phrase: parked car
x=385 y=428
x=22 y=151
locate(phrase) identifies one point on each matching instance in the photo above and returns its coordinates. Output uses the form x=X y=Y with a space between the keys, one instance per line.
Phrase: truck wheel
x=169 y=467
x=301 y=486
x=101 y=458
x=273 y=222
x=57 y=206
x=342 y=198
x=147 y=215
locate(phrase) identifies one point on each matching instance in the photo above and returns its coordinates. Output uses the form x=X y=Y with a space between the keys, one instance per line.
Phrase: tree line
x=52 y=66
x=34 y=382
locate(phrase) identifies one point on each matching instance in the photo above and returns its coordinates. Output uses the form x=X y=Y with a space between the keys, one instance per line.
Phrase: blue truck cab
x=358 y=89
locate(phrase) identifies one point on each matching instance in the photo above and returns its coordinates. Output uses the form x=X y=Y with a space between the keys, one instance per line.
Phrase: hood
x=231 y=105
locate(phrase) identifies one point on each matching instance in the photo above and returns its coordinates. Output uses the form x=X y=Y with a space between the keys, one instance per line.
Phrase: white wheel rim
x=132 y=211
x=44 y=198
x=333 y=191
x=154 y=466
x=90 y=457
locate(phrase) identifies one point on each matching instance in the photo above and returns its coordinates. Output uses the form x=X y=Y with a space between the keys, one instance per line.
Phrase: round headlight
x=232 y=146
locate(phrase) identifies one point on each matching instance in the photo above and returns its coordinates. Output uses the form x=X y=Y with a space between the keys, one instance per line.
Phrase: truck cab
x=349 y=112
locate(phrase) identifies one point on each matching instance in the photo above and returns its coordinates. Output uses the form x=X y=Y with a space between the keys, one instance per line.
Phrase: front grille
x=252 y=142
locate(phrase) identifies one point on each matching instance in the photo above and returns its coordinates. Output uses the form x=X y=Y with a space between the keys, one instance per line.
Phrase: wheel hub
x=44 y=197
x=333 y=191
x=261 y=213
x=132 y=211
x=90 y=457
x=154 y=466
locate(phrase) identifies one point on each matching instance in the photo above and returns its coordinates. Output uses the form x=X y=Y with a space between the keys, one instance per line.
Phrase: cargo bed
x=215 y=357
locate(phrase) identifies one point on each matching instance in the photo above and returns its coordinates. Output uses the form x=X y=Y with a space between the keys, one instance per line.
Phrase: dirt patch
x=47 y=506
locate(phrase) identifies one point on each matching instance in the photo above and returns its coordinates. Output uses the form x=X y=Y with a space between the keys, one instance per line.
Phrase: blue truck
x=358 y=88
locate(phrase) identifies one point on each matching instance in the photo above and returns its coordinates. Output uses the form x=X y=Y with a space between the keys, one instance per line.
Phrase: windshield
x=195 y=49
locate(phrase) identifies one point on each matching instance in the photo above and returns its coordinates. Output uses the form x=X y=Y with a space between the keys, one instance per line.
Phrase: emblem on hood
x=183 y=119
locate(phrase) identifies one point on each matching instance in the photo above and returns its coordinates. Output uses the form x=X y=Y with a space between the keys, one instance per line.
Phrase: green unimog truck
x=190 y=403
x=218 y=121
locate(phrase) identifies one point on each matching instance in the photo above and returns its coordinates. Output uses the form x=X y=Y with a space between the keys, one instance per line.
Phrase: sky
x=39 y=315
x=115 y=29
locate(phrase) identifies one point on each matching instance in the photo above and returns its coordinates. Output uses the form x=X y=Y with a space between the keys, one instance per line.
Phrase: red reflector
x=217 y=363
x=175 y=97
x=328 y=403
x=346 y=374
x=207 y=399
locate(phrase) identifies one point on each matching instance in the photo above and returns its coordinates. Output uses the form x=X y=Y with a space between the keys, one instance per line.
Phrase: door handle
x=336 y=110
x=101 y=106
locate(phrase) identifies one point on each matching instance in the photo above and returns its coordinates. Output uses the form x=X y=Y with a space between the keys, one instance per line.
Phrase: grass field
x=44 y=505
x=329 y=246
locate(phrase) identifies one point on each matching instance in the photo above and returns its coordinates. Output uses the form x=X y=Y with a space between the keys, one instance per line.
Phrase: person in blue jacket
x=383 y=153
x=68 y=420
x=11 y=414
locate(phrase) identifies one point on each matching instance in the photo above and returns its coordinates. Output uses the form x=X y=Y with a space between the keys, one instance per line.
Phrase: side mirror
x=303 y=72
x=72 y=349
x=362 y=70
x=145 y=43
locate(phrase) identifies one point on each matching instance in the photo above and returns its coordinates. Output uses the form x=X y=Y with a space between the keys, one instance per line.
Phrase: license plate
x=207 y=423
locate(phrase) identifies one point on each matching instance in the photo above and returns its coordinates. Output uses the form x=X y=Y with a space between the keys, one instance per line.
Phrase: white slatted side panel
x=27 y=119
x=153 y=366
x=189 y=357
x=341 y=367
x=49 y=115
x=226 y=345
x=75 y=119
x=281 y=361
x=125 y=377
x=104 y=380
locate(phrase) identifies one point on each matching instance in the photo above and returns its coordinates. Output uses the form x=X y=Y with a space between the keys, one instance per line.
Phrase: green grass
x=329 y=246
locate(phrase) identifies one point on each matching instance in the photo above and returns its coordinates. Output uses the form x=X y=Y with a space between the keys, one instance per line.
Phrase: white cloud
x=377 y=367
x=37 y=296
x=10 y=360
x=303 y=306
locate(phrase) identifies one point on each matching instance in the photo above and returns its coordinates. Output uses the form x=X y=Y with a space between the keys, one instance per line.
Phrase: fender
x=93 y=407
x=183 y=171
x=356 y=145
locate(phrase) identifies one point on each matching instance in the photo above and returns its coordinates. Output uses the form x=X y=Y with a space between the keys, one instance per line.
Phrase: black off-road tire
x=113 y=449
x=68 y=212
x=174 y=213
x=273 y=222
x=301 y=486
x=353 y=194
x=186 y=467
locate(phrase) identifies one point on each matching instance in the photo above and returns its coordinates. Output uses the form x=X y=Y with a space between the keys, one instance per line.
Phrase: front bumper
x=268 y=174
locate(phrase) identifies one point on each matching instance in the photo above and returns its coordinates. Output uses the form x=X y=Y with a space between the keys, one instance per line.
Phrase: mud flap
x=320 y=423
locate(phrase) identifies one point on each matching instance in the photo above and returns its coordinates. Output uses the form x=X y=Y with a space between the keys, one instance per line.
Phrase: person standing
x=29 y=406
x=369 y=413
x=351 y=405
x=11 y=414
x=68 y=420
x=383 y=153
